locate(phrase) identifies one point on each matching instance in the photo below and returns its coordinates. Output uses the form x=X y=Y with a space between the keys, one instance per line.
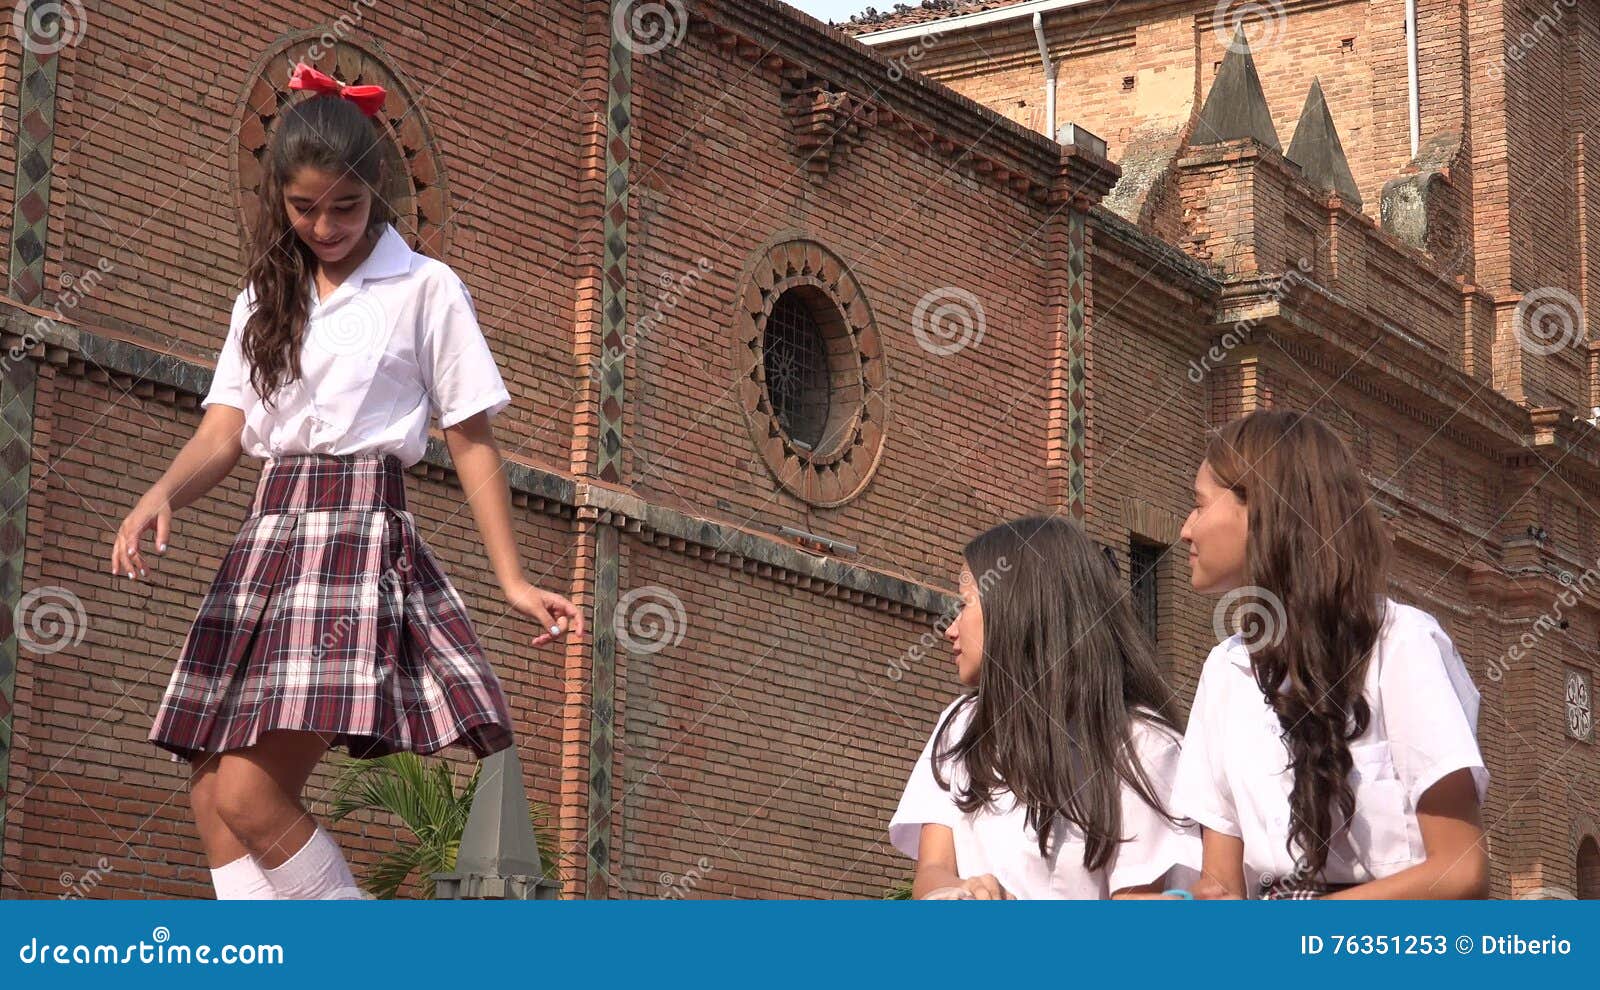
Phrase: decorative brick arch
x=414 y=175
x=841 y=467
x=1588 y=867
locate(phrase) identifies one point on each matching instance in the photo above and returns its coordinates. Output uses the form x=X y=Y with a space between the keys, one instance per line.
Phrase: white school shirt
x=1234 y=777
x=396 y=342
x=997 y=840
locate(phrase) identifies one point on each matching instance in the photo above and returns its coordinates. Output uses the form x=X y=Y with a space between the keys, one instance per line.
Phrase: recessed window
x=796 y=364
x=1144 y=564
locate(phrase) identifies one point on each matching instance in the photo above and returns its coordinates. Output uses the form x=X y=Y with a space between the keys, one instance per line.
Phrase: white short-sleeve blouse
x=1233 y=775
x=395 y=344
x=997 y=840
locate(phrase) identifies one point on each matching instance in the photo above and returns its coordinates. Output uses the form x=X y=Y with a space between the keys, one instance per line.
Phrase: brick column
x=36 y=118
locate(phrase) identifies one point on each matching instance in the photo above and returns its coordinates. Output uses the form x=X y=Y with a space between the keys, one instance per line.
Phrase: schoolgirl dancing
x=330 y=622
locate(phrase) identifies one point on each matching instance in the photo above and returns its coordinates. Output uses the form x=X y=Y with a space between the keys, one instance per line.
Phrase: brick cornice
x=797 y=52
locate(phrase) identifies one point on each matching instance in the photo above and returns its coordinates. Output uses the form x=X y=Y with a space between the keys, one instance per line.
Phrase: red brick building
x=786 y=321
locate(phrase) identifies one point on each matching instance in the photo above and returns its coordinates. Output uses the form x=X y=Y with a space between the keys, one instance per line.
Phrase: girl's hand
x=556 y=616
x=154 y=511
x=986 y=888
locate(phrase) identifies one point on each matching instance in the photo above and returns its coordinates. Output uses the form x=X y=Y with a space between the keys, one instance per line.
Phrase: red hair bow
x=368 y=99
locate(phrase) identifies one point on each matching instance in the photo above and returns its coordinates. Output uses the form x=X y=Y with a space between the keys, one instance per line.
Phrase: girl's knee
x=250 y=804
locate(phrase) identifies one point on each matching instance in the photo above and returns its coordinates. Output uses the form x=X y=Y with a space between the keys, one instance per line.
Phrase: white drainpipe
x=1049 y=75
x=1411 y=69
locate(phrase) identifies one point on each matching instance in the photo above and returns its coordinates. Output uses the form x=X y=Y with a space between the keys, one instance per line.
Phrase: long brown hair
x=1066 y=669
x=1316 y=545
x=325 y=132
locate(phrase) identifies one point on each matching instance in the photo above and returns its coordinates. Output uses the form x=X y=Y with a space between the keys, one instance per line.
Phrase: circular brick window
x=414 y=183
x=811 y=373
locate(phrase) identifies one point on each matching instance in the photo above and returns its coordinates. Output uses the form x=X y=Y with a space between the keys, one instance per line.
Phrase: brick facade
x=760 y=680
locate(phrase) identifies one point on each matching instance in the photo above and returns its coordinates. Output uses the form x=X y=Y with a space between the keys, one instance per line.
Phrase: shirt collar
x=390 y=256
x=1240 y=654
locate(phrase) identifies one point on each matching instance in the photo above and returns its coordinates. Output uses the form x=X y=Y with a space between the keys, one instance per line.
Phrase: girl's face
x=327 y=210
x=1217 y=531
x=966 y=632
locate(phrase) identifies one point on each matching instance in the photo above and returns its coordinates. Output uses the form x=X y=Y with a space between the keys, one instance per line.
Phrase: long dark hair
x=325 y=132
x=1065 y=668
x=1318 y=546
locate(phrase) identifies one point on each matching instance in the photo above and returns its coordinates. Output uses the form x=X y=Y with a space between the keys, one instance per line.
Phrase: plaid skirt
x=330 y=614
x=1296 y=889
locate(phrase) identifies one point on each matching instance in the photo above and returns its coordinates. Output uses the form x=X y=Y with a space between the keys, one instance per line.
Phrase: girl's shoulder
x=1147 y=733
x=1401 y=620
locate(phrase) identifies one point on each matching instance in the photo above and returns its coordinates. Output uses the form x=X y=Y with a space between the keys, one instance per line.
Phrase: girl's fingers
x=163 y=530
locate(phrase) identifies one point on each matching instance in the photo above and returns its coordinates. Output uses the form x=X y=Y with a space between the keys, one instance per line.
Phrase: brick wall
x=761 y=752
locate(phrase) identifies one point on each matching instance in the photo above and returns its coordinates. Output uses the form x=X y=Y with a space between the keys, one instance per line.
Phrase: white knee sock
x=317 y=872
x=242 y=880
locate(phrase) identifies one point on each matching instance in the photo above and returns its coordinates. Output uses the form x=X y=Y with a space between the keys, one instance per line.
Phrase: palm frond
x=423 y=795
